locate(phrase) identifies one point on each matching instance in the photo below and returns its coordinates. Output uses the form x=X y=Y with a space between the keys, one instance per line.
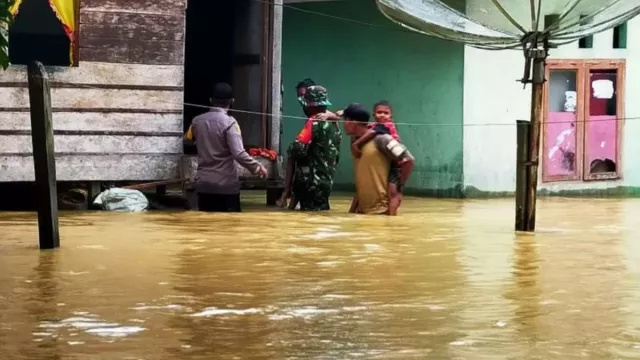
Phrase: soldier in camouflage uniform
x=316 y=153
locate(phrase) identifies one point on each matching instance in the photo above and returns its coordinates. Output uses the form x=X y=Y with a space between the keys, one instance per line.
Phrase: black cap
x=222 y=91
x=356 y=112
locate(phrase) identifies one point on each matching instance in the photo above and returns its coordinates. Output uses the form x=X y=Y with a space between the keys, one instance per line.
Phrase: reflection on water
x=447 y=280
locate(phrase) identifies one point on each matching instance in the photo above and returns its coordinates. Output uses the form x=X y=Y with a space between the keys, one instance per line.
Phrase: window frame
x=620 y=67
x=76 y=34
x=582 y=69
x=579 y=69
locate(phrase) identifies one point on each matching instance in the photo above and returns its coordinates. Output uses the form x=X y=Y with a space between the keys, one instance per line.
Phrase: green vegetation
x=5 y=20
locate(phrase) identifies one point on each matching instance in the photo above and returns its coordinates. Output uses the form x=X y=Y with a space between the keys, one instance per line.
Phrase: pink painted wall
x=560 y=139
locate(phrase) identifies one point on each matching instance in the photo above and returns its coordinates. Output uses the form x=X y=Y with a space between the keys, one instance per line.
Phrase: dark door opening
x=208 y=54
x=37 y=34
x=225 y=42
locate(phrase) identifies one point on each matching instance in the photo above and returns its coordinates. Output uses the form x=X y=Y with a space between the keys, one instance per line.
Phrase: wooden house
x=128 y=76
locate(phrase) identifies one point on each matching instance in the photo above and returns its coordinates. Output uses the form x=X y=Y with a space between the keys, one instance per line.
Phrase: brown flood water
x=448 y=279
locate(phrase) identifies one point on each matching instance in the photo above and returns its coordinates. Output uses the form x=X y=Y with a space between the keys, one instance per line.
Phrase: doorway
x=226 y=41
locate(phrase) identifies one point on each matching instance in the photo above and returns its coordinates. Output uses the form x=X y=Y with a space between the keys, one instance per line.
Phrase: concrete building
x=585 y=149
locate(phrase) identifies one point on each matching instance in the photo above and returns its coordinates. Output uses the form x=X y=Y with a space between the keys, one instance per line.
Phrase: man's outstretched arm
x=234 y=141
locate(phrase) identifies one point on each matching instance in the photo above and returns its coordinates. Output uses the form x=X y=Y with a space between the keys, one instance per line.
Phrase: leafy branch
x=6 y=19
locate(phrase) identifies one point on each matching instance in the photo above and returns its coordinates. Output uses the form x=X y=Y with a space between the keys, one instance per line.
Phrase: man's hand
x=323 y=116
x=262 y=171
x=328 y=115
x=355 y=151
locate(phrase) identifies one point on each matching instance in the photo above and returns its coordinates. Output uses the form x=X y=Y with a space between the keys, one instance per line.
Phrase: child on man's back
x=383 y=126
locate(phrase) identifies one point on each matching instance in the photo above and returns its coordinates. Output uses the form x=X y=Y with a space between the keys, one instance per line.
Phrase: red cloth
x=265 y=153
x=305 y=135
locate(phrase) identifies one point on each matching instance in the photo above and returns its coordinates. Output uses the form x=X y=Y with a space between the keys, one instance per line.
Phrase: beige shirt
x=372 y=179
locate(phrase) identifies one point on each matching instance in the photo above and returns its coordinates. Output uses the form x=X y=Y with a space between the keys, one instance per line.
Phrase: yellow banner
x=65 y=12
x=14 y=8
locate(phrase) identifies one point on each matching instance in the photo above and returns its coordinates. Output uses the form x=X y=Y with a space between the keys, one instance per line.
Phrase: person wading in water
x=219 y=141
x=313 y=156
x=373 y=165
x=290 y=167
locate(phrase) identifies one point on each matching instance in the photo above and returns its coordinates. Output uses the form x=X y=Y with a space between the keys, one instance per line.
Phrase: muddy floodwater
x=448 y=279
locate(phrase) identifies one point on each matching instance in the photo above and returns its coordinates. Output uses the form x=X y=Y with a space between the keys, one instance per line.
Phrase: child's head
x=382 y=111
x=302 y=86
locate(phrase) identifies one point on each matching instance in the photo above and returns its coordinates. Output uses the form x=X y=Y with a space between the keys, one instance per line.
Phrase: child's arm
x=378 y=129
x=356 y=145
x=368 y=136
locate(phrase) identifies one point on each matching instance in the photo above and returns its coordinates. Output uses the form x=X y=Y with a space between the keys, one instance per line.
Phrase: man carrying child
x=382 y=164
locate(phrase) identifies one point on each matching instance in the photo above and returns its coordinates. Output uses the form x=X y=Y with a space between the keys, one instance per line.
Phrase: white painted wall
x=492 y=95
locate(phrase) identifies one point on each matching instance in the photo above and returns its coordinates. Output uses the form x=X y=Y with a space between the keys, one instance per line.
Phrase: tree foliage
x=5 y=21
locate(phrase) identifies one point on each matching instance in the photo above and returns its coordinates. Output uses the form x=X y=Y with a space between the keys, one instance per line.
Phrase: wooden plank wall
x=118 y=115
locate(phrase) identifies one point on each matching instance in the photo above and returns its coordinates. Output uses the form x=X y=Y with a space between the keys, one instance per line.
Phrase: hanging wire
x=403 y=28
x=335 y=17
x=54 y=85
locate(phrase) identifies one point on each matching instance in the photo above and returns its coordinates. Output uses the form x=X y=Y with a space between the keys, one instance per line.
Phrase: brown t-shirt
x=372 y=179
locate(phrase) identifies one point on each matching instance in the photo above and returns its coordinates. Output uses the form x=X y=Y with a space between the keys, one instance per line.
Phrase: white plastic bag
x=123 y=200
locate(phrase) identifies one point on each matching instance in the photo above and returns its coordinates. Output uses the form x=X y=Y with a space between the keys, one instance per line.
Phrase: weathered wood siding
x=132 y=31
x=118 y=115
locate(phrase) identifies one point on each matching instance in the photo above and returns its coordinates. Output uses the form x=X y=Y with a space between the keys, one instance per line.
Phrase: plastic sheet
x=122 y=200
x=502 y=24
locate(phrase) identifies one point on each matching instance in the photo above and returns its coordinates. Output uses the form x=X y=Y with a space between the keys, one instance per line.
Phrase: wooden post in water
x=43 y=156
x=537 y=90
x=522 y=173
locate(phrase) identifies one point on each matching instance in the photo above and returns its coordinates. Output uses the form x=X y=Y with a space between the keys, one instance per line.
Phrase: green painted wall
x=422 y=77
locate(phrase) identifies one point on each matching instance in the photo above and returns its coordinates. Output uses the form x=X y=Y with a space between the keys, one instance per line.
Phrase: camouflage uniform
x=316 y=152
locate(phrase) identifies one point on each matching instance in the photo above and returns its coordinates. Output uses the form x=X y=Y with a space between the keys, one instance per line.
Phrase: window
x=587 y=41
x=582 y=127
x=551 y=20
x=46 y=31
x=620 y=36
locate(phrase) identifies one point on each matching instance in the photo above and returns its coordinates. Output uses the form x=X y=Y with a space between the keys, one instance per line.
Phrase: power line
x=283 y=116
x=335 y=17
